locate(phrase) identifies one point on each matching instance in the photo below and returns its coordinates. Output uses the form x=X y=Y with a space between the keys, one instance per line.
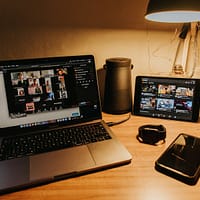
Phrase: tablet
x=167 y=97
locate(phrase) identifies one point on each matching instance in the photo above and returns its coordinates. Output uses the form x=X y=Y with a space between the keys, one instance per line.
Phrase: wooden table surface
x=135 y=181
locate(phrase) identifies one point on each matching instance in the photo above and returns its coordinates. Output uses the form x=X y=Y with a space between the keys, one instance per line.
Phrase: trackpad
x=14 y=172
x=60 y=162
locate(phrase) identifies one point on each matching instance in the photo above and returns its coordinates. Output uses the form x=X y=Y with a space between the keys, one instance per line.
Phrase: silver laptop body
x=44 y=94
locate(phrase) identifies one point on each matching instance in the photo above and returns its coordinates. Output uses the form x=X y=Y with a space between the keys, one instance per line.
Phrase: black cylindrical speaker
x=117 y=91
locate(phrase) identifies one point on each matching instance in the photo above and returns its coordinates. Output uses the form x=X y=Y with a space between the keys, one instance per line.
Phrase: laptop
x=53 y=98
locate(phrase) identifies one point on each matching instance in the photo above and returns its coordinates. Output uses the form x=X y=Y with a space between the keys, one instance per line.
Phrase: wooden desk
x=135 y=181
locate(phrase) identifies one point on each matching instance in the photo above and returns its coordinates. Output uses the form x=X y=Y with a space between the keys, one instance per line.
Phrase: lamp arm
x=185 y=51
x=189 y=40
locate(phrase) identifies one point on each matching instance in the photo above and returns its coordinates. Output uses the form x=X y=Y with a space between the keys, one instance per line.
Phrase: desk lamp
x=177 y=11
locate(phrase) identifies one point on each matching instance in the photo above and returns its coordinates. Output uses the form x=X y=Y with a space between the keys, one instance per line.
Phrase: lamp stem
x=186 y=46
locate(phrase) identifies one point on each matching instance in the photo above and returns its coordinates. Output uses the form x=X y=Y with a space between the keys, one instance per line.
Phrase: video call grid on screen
x=164 y=97
x=44 y=93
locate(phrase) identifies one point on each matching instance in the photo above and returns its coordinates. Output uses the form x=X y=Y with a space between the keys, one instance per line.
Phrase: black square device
x=167 y=97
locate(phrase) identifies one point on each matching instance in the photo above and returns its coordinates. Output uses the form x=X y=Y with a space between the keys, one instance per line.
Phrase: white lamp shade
x=173 y=11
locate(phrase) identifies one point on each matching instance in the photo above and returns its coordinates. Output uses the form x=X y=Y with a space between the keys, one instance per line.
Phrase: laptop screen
x=48 y=91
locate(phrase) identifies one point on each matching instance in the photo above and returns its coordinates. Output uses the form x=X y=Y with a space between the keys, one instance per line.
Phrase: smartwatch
x=152 y=134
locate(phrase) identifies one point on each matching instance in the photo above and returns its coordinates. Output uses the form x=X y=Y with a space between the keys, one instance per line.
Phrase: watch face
x=152 y=134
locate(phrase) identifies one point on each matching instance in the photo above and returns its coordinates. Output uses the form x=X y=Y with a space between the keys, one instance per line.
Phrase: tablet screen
x=167 y=97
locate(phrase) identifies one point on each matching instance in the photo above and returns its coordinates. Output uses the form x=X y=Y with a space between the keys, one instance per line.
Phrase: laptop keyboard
x=24 y=145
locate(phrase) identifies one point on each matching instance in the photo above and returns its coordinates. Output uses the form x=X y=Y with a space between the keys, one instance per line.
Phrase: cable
x=119 y=122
